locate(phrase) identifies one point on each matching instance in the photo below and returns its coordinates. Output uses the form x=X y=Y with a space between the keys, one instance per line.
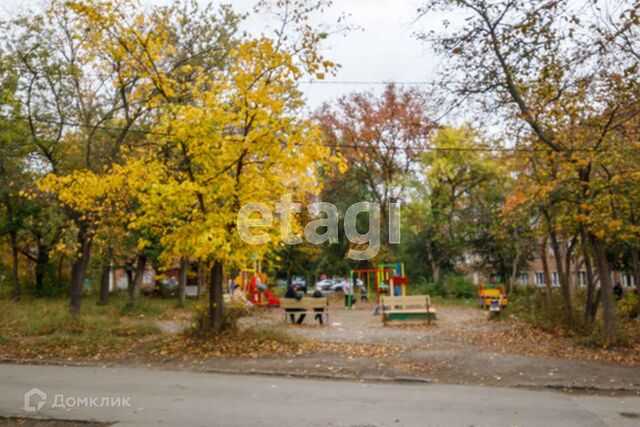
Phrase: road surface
x=179 y=398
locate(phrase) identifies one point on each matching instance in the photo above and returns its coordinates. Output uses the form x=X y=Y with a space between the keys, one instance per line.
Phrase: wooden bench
x=306 y=305
x=407 y=308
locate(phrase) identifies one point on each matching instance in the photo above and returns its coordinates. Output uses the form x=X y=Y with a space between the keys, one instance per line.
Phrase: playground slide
x=272 y=300
x=261 y=298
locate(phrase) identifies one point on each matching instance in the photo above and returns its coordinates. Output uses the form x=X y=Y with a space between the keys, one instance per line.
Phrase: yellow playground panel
x=492 y=297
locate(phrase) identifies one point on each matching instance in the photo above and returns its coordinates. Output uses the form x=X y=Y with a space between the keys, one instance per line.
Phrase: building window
x=539 y=278
x=554 y=278
x=627 y=280
x=468 y=258
x=582 y=278
x=524 y=279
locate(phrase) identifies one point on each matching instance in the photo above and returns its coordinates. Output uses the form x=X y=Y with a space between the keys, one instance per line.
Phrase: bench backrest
x=406 y=301
x=304 y=303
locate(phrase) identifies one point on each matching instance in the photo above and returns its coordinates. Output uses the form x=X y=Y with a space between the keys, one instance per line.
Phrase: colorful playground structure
x=253 y=285
x=492 y=297
x=386 y=279
x=389 y=282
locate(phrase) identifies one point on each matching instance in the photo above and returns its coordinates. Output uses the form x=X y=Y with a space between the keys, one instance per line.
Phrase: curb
x=322 y=376
x=579 y=388
x=398 y=379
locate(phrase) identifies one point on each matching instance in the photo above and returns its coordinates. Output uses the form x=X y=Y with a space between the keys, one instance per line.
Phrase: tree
x=90 y=77
x=544 y=68
x=14 y=176
x=239 y=139
x=381 y=138
x=456 y=178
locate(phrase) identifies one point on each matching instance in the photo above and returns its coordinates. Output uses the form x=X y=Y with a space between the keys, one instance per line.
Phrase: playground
x=463 y=346
x=422 y=339
x=378 y=328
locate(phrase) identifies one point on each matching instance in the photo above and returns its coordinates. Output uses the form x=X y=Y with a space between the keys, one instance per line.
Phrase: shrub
x=231 y=313
x=523 y=290
x=458 y=286
x=628 y=307
x=423 y=287
x=534 y=307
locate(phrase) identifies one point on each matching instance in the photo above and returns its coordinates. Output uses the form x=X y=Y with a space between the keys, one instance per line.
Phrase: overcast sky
x=383 y=49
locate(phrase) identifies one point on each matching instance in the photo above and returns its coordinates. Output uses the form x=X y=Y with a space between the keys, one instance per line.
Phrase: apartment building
x=477 y=272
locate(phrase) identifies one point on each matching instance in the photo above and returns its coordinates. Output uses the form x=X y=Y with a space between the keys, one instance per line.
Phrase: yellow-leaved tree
x=241 y=139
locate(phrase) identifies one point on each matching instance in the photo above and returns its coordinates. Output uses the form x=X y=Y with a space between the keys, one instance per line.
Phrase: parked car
x=338 y=285
x=324 y=285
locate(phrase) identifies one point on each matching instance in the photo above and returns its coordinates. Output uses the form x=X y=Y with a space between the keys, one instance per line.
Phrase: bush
x=452 y=285
x=231 y=313
x=523 y=290
x=424 y=287
x=628 y=307
x=534 y=307
x=458 y=286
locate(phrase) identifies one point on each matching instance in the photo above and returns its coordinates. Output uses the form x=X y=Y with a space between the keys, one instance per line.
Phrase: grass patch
x=452 y=285
x=43 y=328
x=455 y=302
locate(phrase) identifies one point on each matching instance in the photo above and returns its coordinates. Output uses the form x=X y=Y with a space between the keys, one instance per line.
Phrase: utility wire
x=364 y=82
x=352 y=146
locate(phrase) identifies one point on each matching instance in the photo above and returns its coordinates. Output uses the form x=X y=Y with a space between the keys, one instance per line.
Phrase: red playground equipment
x=256 y=290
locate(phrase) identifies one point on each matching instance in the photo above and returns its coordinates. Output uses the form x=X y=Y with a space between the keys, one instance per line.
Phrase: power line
x=365 y=82
x=435 y=149
x=350 y=146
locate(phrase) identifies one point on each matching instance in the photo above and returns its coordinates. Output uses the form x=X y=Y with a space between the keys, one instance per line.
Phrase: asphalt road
x=180 y=398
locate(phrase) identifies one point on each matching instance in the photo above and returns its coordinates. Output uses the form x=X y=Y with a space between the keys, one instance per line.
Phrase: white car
x=338 y=285
x=324 y=285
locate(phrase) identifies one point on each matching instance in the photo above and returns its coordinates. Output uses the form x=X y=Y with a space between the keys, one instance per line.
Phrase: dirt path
x=458 y=348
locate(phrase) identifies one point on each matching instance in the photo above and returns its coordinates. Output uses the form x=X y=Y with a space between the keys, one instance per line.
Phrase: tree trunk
x=201 y=279
x=134 y=290
x=606 y=290
x=15 y=277
x=182 y=282
x=562 y=277
x=128 y=271
x=589 y=312
x=514 y=271
x=79 y=268
x=42 y=267
x=436 y=272
x=289 y=277
x=435 y=267
x=568 y=255
x=105 y=276
x=635 y=261
x=545 y=270
x=215 y=297
x=596 y=304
